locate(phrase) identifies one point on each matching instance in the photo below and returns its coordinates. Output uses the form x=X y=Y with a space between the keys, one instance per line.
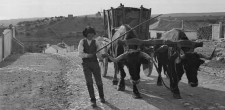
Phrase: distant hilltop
x=193 y=14
x=15 y=21
x=222 y=14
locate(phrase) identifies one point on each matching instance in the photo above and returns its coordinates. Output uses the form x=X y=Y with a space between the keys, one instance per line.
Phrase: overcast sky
x=12 y=9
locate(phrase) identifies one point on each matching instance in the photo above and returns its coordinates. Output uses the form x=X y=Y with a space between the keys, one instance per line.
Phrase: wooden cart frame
x=115 y=17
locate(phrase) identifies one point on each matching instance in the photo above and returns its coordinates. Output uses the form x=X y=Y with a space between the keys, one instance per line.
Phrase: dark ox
x=175 y=62
x=127 y=56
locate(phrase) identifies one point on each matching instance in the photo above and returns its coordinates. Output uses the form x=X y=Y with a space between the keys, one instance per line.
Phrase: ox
x=129 y=56
x=176 y=62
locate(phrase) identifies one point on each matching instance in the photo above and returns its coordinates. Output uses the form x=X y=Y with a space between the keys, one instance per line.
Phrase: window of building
x=158 y=35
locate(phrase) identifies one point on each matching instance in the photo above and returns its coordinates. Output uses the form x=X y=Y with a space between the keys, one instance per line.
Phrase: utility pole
x=182 y=25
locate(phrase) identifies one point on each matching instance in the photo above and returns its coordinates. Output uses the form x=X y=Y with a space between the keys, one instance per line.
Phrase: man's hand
x=90 y=55
x=105 y=55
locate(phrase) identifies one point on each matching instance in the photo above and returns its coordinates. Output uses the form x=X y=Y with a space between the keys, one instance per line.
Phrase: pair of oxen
x=174 y=60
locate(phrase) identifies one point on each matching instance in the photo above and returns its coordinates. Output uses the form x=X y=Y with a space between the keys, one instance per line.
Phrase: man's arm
x=81 y=50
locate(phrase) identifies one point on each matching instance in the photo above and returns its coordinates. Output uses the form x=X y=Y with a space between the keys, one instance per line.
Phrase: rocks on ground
x=33 y=81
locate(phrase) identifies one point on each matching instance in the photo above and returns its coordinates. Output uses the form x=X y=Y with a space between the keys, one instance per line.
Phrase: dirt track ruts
x=35 y=81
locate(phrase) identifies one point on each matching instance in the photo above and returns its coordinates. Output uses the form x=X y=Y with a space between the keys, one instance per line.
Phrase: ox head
x=183 y=57
x=185 y=61
x=191 y=62
x=133 y=61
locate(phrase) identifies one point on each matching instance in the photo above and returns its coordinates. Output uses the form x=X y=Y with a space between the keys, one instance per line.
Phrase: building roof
x=57 y=47
x=166 y=25
x=69 y=42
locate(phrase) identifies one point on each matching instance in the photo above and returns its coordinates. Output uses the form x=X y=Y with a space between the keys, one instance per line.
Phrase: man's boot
x=93 y=102
x=92 y=95
x=101 y=93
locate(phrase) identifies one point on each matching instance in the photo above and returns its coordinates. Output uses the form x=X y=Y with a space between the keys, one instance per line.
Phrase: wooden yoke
x=152 y=42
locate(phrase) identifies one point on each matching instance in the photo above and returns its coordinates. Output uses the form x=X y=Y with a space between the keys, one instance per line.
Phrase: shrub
x=28 y=34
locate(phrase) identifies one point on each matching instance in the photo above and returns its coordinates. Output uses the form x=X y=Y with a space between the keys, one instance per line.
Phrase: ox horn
x=145 y=55
x=208 y=58
x=120 y=57
x=162 y=48
x=124 y=55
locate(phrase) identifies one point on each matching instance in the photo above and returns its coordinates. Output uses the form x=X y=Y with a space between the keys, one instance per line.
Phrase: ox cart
x=115 y=17
x=175 y=51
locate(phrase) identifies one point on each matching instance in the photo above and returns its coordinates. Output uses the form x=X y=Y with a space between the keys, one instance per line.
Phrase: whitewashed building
x=218 y=31
x=69 y=45
x=8 y=43
x=55 y=49
x=190 y=28
x=5 y=43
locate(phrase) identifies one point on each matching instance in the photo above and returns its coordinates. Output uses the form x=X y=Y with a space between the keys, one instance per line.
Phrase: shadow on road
x=111 y=106
x=160 y=95
x=9 y=60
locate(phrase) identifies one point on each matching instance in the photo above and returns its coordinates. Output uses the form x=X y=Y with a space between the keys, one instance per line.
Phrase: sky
x=14 y=9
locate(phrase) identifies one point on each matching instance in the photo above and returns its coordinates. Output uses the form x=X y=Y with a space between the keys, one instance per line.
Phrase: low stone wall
x=213 y=71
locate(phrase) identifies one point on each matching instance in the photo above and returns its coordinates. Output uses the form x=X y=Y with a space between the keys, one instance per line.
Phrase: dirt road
x=209 y=95
x=56 y=82
x=33 y=81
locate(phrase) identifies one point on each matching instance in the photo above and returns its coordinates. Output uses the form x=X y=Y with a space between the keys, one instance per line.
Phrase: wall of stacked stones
x=205 y=33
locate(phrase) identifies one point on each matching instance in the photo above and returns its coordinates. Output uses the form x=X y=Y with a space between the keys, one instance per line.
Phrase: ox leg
x=159 y=80
x=165 y=70
x=179 y=71
x=173 y=76
x=116 y=71
x=136 y=93
x=174 y=86
x=175 y=90
x=121 y=86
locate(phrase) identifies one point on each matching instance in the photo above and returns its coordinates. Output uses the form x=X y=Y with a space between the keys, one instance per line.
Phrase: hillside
x=193 y=14
x=15 y=21
x=55 y=29
x=77 y=24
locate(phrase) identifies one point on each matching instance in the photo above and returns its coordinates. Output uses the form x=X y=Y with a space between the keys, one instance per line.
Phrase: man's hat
x=88 y=30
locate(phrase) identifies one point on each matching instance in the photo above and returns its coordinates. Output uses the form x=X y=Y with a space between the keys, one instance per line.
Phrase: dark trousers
x=93 y=69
